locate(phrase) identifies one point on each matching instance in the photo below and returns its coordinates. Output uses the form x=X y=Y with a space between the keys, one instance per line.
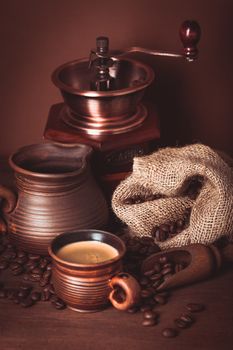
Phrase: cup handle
x=8 y=205
x=131 y=289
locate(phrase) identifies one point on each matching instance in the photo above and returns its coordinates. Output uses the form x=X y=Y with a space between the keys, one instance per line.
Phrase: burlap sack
x=166 y=172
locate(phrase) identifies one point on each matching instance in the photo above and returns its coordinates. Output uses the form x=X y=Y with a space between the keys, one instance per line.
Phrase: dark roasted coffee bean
x=35 y=296
x=12 y=293
x=187 y=318
x=34 y=257
x=17 y=299
x=43 y=282
x=195 y=307
x=45 y=295
x=49 y=267
x=149 y=314
x=60 y=304
x=129 y=201
x=132 y=310
x=3 y=293
x=172 y=228
x=166 y=271
x=37 y=271
x=34 y=277
x=51 y=289
x=145 y=293
x=157 y=267
x=26 y=287
x=160 y=300
x=169 y=332
x=21 y=254
x=145 y=307
x=14 y=266
x=144 y=281
x=149 y=322
x=156 y=277
x=47 y=274
x=161 y=235
x=53 y=298
x=22 y=293
x=180 y=323
x=149 y=273
x=21 y=260
x=27 y=302
x=26 y=277
x=9 y=254
x=157 y=283
x=4 y=264
x=43 y=263
x=180 y=223
x=32 y=265
x=155 y=232
x=165 y=227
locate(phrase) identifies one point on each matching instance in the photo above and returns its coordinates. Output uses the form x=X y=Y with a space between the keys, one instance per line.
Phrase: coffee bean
x=34 y=257
x=149 y=273
x=145 y=293
x=17 y=299
x=43 y=282
x=35 y=296
x=149 y=314
x=12 y=293
x=21 y=254
x=43 y=263
x=165 y=227
x=37 y=271
x=145 y=307
x=166 y=271
x=156 y=277
x=195 y=307
x=60 y=304
x=26 y=302
x=132 y=310
x=161 y=235
x=26 y=287
x=149 y=322
x=34 y=277
x=51 y=289
x=23 y=293
x=187 y=318
x=4 y=264
x=3 y=293
x=180 y=323
x=49 y=267
x=45 y=295
x=21 y=260
x=156 y=284
x=157 y=267
x=32 y=265
x=144 y=281
x=47 y=274
x=9 y=254
x=169 y=332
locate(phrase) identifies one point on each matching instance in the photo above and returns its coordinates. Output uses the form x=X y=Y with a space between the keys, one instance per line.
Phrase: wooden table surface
x=43 y=327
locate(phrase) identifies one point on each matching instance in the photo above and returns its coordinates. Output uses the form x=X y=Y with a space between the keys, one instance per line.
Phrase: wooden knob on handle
x=190 y=33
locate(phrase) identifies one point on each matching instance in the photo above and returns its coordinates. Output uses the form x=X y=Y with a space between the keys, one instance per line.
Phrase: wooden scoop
x=201 y=262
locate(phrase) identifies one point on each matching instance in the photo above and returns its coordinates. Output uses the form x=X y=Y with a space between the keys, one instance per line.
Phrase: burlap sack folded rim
x=212 y=212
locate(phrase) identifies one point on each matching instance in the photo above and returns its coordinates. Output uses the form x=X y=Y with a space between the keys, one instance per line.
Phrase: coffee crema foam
x=87 y=252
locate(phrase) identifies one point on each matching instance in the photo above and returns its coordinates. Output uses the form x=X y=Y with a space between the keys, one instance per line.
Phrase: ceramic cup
x=88 y=287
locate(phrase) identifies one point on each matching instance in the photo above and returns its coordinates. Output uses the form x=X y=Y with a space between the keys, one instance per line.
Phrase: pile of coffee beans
x=34 y=273
x=163 y=268
x=161 y=233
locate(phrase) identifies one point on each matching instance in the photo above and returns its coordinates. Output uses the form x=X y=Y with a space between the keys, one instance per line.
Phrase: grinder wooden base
x=113 y=156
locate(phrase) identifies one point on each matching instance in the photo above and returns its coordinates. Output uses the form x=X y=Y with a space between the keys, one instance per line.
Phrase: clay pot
x=56 y=193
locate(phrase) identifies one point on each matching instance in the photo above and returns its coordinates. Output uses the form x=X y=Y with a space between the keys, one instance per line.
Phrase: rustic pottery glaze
x=89 y=287
x=56 y=193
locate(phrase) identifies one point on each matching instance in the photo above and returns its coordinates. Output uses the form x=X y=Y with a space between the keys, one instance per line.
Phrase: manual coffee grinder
x=104 y=107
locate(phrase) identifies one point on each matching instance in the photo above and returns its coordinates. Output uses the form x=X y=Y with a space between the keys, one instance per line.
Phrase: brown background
x=194 y=101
